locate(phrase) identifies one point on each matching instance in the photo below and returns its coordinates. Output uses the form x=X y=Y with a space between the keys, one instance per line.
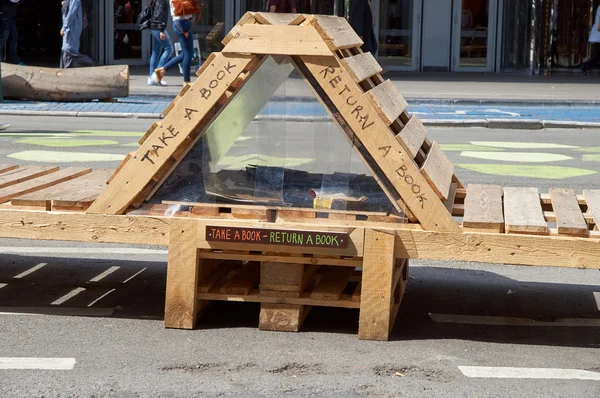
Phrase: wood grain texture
x=438 y=171
x=483 y=207
x=361 y=66
x=181 y=122
x=449 y=203
x=376 y=301
x=278 y=40
x=7 y=167
x=411 y=137
x=336 y=31
x=387 y=101
x=332 y=283
x=273 y=18
x=25 y=173
x=523 y=212
x=569 y=218
x=246 y=19
x=182 y=275
x=245 y=281
x=42 y=182
x=592 y=198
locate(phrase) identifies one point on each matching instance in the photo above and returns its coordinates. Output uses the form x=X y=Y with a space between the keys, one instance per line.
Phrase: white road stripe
x=597 y=297
x=528 y=373
x=101 y=297
x=31 y=270
x=2 y=285
x=77 y=250
x=134 y=275
x=511 y=321
x=104 y=274
x=68 y=296
x=37 y=363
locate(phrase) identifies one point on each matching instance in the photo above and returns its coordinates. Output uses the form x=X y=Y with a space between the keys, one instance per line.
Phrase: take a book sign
x=256 y=236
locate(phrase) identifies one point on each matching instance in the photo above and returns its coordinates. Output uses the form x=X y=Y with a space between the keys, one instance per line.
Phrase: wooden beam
x=592 y=198
x=376 y=300
x=569 y=218
x=272 y=18
x=438 y=171
x=483 y=207
x=336 y=31
x=523 y=211
x=387 y=101
x=361 y=66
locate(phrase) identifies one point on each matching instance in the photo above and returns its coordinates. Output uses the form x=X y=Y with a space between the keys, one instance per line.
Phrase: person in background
x=182 y=24
x=594 y=41
x=8 y=35
x=362 y=21
x=161 y=42
x=282 y=6
x=72 y=16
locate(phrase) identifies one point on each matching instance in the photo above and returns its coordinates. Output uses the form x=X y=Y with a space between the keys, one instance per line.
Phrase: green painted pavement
x=467 y=147
x=530 y=171
x=522 y=145
x=591 y=158
x=594 y=149
x=106 y=133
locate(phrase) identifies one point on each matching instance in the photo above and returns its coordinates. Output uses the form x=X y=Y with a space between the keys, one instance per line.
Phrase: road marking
x=591 y=157
x=68 y=296
x=37 y=363
x=64 y=142
x=104 y=274
x=523 y=145
x=520 y=157
x=77 y=250
x=531 y=171
x=29 y=271
x=65 y=157
x=596 y=296
x=134 y=275
x=528 y=373
x=513 y=321
x=60 y=311
x=101 y=297
x=2 y=285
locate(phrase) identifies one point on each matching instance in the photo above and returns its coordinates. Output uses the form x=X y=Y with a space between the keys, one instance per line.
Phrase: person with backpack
x=183 y=12
x=282 y=6
x=162 y=46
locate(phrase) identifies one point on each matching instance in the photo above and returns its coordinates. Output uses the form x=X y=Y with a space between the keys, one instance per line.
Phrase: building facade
x=529 y=36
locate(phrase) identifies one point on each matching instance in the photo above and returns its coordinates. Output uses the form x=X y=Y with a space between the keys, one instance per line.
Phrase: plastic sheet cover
x=275 y=145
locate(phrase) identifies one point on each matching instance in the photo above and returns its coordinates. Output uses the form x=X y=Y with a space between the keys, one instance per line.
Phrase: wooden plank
x=523 y=212
x=182 y=275
x=451 y=197
x=438 y=171
x=592 y=198
x=22 y=174
x=336 y=31
x=245 y=281
x=483 y=207
x=42 y=182
x=279 y=302
x=387 y=101
x=7 y=167
x=121 y=165
x=377 y=299
x=148 y=132
x=247 y=18
x=272 y=18
x=215 y=277
x=411 y=137
x=332 y=284
x=372 y=137
x=172 y=133
x=569 y=218
x=361 y=66
x=348 y=262
x=279 y=39
x=357 y=292
x=84 y=190
x=205 y=64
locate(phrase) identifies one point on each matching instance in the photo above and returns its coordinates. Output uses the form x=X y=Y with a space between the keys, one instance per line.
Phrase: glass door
x=474 y=35
x=127 y=45
x=399 y=27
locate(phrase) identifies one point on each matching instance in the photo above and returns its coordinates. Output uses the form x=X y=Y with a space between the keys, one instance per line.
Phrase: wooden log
x=65 y=85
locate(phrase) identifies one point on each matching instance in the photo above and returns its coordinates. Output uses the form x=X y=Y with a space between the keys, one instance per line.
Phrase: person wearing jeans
x=162 y=46
x=182 y=24
x=8 y=33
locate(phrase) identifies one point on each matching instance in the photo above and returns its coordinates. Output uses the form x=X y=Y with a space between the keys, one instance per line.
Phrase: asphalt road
x=95 y=311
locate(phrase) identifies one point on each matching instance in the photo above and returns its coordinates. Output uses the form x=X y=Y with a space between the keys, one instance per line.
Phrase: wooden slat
x=42 y=182
x=272 y=18
x=483 y=208
x=412 y=136
x=592 y=198
x=212 y=279
x=247 y=18
x=569 y=218
x=438 y=171
x=205 y=64
x=332 y=284
x=282 y=307
x=148 y=132
x=361 y=66
x=279 y=39
x=83 y=190
x=7 y=167
x=336 y=31
x=357 y=292
x=451 y=197
x=121 y=165
x=523 y=212
x=387 y=101
x=22 y=174
x=245 y=281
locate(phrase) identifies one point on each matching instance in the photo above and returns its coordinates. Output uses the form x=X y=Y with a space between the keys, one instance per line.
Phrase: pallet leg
x=377 y=294
x=283 y=280
x=181 y=304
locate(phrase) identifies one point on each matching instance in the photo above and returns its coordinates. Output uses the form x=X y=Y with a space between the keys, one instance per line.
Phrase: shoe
x=163 y=82
x=4 y=126
x=158 y=74
x=152 y=82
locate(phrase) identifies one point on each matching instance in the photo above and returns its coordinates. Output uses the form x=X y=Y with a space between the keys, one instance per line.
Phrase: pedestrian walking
x=183 y=13
x=594 y=41
x=162 y=46
x=362 y=21
x=72 y=16
x=9 y=34
x=281 y=6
